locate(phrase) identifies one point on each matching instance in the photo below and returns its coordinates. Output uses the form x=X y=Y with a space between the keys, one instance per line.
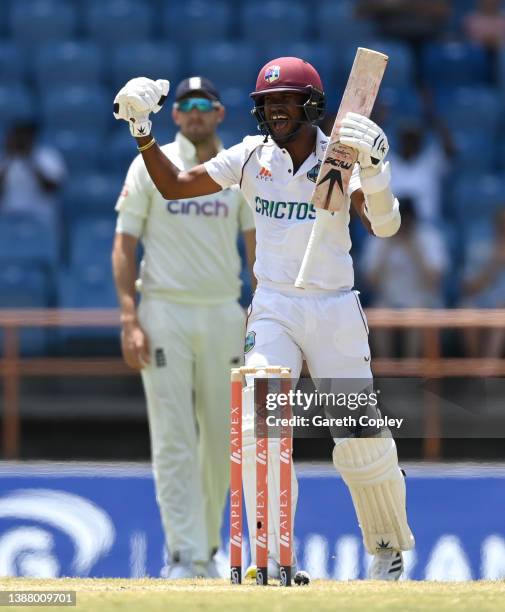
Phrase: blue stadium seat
x=33 y=22
x=227 y=64
x=500 y=154
x=90 y=195
x=197 y=20
x=87 y=285
x=16 y=103
x=25 y=286
x=25 y=240
x=238 y=112
x=153 y=60
x=476 y=151
x=68 y=62
x=399 y=104
x=91 y=242
x=501 y=72
x=458 y=11
x=116 y=21
x=12 y=63
x=81 y=149
x=479 y=107
x=335 y=24
x=263 y=22
x=454 y=63
x=121 y=151
x=476 y=197
x=232 y=135
x=79 y=105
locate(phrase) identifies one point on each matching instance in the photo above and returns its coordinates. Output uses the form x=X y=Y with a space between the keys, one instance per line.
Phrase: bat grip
x=322 y=218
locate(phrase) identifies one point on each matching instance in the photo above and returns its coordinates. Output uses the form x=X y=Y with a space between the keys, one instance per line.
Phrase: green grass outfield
x=104 y=595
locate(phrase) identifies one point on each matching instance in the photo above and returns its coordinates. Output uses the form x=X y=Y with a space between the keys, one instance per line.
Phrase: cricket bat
x=336 y=168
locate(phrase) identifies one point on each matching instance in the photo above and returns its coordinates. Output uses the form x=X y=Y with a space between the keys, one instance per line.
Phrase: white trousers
x=331 y=333
x=328 y=331
x=187 y=386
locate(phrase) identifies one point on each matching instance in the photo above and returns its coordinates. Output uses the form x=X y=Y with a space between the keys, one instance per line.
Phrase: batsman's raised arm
x=134 y=103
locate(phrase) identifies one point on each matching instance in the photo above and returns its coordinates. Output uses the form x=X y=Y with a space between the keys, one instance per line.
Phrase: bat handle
x=322 y=218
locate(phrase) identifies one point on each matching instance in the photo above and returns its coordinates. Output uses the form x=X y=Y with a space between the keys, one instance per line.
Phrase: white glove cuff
x=140 y=128
x=374 y=180
x=386 y=224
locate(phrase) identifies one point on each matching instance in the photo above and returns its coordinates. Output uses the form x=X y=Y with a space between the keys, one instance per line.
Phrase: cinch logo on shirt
x=285 y=210
x=264 y=174
x=210 y=208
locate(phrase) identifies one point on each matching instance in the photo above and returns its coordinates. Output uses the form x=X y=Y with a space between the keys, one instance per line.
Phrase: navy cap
x=196 y=84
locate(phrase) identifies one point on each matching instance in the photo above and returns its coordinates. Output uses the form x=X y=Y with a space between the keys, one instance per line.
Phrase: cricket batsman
x=324 y=323
x=188 y=329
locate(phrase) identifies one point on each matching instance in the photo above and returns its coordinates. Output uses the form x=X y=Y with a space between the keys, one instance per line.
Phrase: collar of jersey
x=188 y=149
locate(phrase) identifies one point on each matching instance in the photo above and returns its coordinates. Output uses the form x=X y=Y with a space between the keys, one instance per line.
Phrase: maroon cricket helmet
x=289 y=74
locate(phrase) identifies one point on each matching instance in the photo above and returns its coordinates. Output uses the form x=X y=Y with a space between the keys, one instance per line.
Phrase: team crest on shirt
x=250 y=341
x=313 y=172
x=272 y=73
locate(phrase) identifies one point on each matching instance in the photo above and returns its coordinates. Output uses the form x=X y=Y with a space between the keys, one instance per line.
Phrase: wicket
x=261 y=456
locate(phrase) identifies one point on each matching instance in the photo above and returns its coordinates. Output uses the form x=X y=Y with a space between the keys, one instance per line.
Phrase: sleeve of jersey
x=354 y=182
x=246 y=217
x=133 y=203
x=226 y=167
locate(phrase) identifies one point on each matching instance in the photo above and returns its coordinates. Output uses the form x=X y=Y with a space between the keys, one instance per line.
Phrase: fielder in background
x=323 y=323
x=188 y=330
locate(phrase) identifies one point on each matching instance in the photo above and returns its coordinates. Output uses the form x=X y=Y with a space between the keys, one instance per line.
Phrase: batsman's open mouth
x=279 y=123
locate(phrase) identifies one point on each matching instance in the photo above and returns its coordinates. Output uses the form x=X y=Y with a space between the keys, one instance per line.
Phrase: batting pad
x=249 y=480
x=369 y=467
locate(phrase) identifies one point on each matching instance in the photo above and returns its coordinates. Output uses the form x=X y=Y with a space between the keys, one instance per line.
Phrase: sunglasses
x=204 y=105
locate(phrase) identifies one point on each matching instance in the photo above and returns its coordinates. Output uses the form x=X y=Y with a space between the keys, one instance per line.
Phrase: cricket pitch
x=156 y=594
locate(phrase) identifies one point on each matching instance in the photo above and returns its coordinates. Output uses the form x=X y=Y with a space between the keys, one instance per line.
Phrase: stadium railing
x=431 y=365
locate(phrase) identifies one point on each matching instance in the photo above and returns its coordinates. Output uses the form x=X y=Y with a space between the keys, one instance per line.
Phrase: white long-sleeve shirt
x=284 y=216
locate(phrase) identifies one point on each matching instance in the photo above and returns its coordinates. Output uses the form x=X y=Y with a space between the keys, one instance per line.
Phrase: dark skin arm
x=358 y=204
x=250 y=253
x=171 y=182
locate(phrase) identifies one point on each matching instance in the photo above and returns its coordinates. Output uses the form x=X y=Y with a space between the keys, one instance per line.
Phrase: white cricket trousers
x=187 y=386
x=330 y=332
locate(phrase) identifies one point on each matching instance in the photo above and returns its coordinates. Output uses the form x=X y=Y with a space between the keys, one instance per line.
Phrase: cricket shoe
x=178 y=571
x=274 y=570
x=386 y=565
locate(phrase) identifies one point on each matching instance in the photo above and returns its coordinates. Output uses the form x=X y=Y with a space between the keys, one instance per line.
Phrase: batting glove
x=137 y=100
x=366 y=137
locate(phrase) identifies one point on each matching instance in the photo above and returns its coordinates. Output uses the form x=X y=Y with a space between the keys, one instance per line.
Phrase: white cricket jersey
x=190 y=246
x=284 y=215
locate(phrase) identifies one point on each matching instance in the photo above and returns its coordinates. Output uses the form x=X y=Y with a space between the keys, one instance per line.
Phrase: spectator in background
x=405 y=271
x=30 y=176
x=419 y=167
x=483 y=286
x=486 y=26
